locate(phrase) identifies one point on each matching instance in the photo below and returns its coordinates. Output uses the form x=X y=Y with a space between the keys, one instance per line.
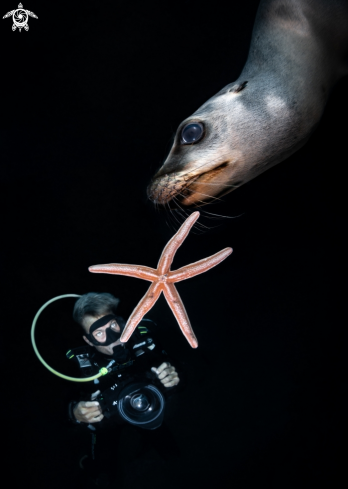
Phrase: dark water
x=91 y=97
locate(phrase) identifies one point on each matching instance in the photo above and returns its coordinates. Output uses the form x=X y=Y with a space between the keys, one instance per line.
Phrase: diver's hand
x=88 y=412
x=167 y=374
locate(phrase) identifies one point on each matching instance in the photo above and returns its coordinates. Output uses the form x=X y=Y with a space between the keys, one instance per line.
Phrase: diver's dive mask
x=111 y=334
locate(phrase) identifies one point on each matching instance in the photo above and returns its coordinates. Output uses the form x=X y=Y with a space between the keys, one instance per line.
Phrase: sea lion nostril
x=191 y=133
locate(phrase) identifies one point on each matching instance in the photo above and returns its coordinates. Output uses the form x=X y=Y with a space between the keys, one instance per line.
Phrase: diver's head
x=95 y=312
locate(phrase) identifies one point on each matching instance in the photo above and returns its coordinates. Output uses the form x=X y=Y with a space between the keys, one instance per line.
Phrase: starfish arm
x=170 y=249
x=145 y=304
x=198 y=267
x=179 y=311
x=138 y=271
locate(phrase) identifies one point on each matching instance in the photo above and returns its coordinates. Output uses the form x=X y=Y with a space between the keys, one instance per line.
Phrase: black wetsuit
x=142 y=351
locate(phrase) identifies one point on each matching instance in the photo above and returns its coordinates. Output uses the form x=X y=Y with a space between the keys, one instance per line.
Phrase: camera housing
x=136 y=401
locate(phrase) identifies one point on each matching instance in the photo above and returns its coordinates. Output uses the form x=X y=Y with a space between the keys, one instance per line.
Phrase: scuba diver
x=140 y=381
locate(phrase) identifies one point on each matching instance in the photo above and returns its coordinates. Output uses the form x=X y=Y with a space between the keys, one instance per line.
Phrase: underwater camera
x=135 y=401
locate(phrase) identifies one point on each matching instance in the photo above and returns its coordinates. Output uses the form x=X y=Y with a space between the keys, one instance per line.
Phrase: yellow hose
x=102 y=371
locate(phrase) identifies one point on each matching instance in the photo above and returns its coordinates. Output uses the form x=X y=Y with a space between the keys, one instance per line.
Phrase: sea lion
x=298 y=52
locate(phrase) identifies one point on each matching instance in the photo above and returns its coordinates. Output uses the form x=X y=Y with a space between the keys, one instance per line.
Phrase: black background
x=91 y=97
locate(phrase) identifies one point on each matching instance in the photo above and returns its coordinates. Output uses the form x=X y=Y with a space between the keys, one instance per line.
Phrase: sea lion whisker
x=221 y=184
x=167 y=223
x=220 y=215
x=206 y=195
x=177 y=203
x=200 y=224
x=198 y=200
x=210 y=196
x=178 y=211
x=170 y=215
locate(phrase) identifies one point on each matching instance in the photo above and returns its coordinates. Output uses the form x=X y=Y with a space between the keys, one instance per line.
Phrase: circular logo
x=20 y=17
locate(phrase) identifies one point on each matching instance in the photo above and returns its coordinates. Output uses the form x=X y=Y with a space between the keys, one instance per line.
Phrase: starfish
x=163 y=280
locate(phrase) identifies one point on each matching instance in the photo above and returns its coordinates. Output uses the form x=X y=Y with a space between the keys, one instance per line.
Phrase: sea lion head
x=242 y=131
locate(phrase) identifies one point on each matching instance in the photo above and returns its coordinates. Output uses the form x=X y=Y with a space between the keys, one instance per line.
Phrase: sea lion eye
x=191 y=133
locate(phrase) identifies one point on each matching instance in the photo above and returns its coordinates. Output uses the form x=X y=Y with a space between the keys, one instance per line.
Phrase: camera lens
x=139 y=402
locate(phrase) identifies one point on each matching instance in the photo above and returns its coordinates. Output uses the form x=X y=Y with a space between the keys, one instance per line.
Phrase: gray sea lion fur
x=298 y=51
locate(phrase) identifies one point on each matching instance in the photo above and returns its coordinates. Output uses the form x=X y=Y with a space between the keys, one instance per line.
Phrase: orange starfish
x=163 y=281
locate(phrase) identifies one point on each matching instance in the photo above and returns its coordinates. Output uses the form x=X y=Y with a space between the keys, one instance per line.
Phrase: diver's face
x=100 y=333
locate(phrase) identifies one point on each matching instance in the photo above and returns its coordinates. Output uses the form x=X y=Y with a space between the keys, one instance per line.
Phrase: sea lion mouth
x=188 y=189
